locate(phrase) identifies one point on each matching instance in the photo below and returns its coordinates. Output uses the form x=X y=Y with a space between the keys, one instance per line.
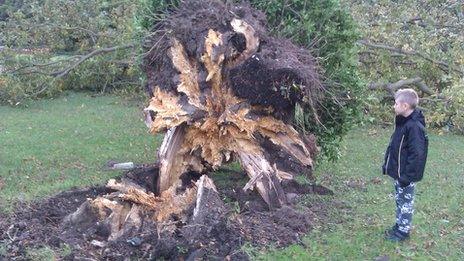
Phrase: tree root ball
x=223 y=89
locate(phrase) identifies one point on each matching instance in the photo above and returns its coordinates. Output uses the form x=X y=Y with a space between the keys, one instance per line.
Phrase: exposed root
x=223 y=89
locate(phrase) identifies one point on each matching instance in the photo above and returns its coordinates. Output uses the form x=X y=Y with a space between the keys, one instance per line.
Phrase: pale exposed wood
x=252 y=41
x=263 y=177
x=203 y=184
x=168 y=110
x=125 y=185
x=127 y=219
x=227 y=127
x=188 y=76
x=122 y=211
x=174 y=203
x=170 y=166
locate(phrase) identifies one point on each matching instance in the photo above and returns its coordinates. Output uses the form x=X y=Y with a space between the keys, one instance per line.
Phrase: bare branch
x=61 y=73
x=67 y=70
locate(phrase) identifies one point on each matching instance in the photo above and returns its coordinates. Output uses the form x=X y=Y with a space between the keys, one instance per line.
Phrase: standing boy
x=405 y=159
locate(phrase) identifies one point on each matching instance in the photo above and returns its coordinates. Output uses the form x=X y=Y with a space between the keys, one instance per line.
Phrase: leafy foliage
x=152 y=11
x=427 y=37
x=43 y=39
x=449 y=112
x=8 y=6
x=327 y=29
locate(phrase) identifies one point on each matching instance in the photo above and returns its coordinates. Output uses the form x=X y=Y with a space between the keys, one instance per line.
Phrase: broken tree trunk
x=123 y=212
x=223 y=89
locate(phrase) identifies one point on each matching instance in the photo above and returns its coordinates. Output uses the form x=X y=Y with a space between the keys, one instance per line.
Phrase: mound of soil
x=219 y=230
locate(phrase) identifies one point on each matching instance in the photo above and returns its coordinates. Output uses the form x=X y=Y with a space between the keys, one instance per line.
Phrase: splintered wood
x=124 y=210
x=207 y=127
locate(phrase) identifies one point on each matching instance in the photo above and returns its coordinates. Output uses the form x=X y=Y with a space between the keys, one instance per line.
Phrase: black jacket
x=407 y=152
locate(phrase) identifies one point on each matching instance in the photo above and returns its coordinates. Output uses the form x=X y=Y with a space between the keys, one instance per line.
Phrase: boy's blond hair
x=408 y=96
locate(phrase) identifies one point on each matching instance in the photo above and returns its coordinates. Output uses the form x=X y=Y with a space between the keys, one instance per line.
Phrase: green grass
x=47 y=254
x=438 y=223
x=53 y=145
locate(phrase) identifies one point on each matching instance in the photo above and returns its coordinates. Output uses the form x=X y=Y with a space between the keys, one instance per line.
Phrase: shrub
x=326 y=28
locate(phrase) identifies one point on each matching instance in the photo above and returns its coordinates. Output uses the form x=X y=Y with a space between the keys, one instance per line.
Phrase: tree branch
x=14 y=71
x=66 y=71
x=393 y=87
x=442 y=65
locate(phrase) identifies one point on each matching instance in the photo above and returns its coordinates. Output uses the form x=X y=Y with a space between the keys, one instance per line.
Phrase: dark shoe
x=391 y=231
x=397 y=236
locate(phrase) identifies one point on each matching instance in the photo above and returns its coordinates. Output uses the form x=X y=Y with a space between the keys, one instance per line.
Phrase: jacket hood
x=416 y=115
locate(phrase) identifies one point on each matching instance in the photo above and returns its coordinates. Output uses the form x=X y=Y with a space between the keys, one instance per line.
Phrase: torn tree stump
x=124 y=211
x=222 y=89
x=173 y=160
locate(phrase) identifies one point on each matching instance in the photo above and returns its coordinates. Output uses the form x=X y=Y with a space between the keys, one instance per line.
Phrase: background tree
x=415 y=44
x=56 y=45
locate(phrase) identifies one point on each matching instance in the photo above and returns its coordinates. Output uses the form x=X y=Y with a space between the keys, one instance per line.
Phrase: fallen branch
x=442 y=65
x=393 y=87
x=61 y=73
x=66 y=71
x=35 y=65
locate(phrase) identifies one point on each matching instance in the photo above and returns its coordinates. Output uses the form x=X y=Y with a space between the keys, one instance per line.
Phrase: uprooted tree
x=57 y=45
x=221 y=89
x=224 y=89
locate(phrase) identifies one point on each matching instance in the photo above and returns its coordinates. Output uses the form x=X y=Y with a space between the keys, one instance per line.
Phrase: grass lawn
x=438 y=223
x=54 y=145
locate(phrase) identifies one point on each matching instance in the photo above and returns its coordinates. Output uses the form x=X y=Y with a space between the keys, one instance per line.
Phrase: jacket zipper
x=388 y=160
x=399 y=156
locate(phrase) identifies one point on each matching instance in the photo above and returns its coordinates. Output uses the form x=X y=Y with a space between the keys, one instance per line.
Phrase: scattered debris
x=97 y=243
x=113 y=165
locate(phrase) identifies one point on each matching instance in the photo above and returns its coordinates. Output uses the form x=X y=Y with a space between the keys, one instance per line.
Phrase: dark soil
x=278 y=74
x=229 y=219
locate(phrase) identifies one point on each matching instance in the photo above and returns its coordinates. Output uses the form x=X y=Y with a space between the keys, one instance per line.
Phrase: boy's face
x=401 y=108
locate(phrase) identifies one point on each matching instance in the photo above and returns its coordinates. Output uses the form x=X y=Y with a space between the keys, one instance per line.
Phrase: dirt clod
x=218 y=230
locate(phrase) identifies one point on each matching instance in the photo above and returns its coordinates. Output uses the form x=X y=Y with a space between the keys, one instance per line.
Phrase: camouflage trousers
x=404 y=197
